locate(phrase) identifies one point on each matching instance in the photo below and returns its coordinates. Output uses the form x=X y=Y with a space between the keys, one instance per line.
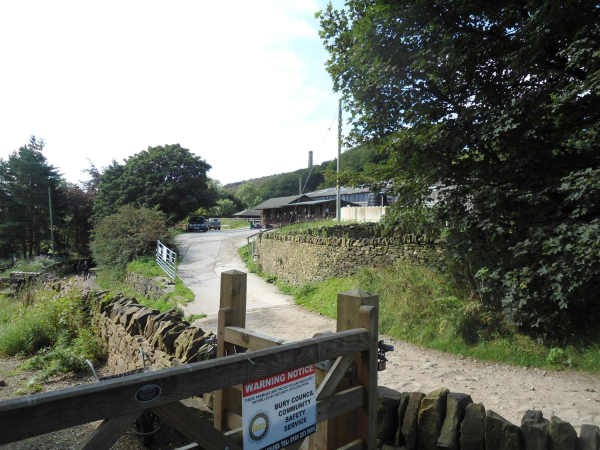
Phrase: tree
x=77 y=206
x=131 y=232
x=26 y=180
x=224 y=208
x=170 y=177
x=498 y=103
x=249 y=195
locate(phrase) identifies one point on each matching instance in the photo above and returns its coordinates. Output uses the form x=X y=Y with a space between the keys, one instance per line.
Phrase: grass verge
x=305 y=227
x=51 y=326
x=424 y=307
x=232 y=224
x=113 y=280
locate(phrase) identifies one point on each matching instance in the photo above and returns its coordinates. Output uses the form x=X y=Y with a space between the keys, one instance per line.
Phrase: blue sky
x=241 y=84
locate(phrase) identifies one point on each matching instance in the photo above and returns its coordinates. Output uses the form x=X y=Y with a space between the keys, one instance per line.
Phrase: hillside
x=287 y=183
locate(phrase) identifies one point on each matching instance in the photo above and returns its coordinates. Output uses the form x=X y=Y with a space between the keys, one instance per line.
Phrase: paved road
x=205 y=256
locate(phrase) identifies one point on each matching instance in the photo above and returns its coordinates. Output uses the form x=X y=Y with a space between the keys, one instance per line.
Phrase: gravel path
x=507 y=390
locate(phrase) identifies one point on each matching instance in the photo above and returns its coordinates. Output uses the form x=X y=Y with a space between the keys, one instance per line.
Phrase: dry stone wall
x=144 y=286
x=297 y=259
x=443 y=420
x=165 y=338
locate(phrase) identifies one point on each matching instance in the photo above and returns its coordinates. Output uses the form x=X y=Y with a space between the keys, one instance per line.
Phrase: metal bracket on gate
x=382 y=349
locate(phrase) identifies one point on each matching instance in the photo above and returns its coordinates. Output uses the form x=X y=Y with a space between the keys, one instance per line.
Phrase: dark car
x=197 y=223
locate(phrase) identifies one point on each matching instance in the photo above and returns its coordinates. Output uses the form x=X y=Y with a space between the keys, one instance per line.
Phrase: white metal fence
x=166 y=259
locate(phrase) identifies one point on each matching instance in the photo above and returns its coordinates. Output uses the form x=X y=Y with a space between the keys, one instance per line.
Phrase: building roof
x=248 y=213
x=280 y=202
x=318 y=202
x=333 y=191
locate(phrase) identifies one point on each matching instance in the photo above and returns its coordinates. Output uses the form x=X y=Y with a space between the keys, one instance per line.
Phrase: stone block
x=127 y=313
x=589 y=438
x=152 y=324
x=139 y=320
x=431 y=418
x=402 y=404
x=562 y=435
x=456 y=405
x=472 y=428
x=167 y=337
x=411 y=420
x=387 y=413
x=161 y=328
x=500 y=434
x=535 y=430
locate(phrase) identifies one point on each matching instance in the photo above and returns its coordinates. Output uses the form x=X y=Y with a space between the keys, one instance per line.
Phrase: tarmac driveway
x=205 y=256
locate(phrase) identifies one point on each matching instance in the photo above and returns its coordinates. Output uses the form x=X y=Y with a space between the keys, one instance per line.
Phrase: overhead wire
x=335 y=115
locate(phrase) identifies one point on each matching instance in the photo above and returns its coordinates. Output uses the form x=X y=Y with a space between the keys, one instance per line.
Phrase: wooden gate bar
x=334 y=376
x=43 y=413
x=355 y=445
x=196 y=428
x=340 y=403
x=251 y=339
x=109 y=432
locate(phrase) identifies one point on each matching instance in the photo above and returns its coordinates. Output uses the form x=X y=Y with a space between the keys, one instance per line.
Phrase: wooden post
x=233 y=295
x=366 y=372
x=343 y=430
x=232 y=312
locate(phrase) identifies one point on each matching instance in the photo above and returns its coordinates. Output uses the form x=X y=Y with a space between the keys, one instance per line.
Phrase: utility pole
x=300 y=187
x=338 y=212
x=51 y=221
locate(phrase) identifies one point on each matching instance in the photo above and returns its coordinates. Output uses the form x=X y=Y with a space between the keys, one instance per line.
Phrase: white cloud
x=235 y=82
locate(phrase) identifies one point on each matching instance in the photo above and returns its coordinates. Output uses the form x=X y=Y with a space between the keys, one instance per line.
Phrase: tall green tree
x=498 y=103
x=249 y=195
x=27 y=177
x=224 y=208
x=170 y=178
x=77 y=207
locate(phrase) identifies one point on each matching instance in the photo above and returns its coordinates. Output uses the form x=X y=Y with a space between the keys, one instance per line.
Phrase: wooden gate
x=119 y=403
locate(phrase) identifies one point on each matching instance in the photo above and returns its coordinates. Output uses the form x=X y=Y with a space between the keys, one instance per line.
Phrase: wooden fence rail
x=118 y=402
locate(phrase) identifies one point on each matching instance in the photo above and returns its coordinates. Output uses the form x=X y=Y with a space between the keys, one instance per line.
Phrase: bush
x=127 y=234
x=54 y=329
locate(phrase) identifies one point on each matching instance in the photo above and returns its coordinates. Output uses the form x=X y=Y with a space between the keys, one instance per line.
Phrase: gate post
x=355 y=309
x=232 y=312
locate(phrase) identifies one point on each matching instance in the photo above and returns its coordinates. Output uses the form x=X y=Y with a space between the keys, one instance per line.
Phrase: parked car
x=214 y=224
x=197 y=223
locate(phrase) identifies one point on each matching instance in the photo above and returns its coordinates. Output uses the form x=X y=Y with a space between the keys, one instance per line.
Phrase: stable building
x=297 y=208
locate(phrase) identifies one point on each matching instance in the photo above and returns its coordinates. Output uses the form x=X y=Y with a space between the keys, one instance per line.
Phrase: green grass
x=8 y=308
x=232 y=224
x=30 y=265
x=113 y=280
x=193 y=317
x=53 y=327
x=146 y=267
x=424 y=307
x=306 y=227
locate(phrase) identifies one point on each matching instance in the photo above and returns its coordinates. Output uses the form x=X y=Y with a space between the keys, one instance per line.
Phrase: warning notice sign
x=280 y=409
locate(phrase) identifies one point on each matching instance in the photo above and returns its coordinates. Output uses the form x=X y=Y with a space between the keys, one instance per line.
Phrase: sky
x=241 y=84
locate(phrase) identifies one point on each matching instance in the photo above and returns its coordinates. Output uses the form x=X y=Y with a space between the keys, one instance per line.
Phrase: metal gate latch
x=382 y=349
